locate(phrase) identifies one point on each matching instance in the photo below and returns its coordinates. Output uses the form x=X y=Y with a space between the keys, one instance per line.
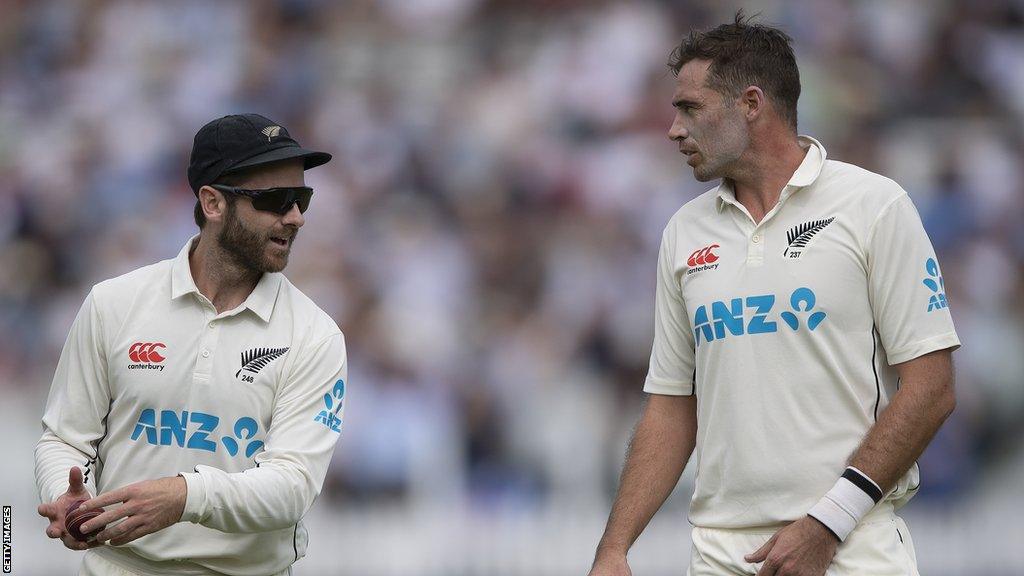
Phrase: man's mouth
x=282 y=241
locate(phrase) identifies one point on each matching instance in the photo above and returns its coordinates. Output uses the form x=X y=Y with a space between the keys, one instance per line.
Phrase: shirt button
x=756 y=238
x=210 y=325
x=206 y=353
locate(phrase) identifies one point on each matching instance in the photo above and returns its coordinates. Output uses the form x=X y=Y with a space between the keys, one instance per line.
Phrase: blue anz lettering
x=333 y=402
x=937 y=300
x=173 y=428
x=171 y=425
x=762 y=305
x=207 y=424
x=147 y=424
x=727 y=318
x=701 y=326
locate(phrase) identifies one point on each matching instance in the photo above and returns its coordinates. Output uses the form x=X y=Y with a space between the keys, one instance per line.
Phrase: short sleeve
x=671 y=369
x=908 y=297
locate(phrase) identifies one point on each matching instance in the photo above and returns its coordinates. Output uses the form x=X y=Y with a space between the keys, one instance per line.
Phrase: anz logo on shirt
x=934 y=282
x=333 y=402
x=196 y=431
x=749 y=315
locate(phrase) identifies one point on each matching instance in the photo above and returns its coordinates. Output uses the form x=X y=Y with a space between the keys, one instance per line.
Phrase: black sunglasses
x=277 y=200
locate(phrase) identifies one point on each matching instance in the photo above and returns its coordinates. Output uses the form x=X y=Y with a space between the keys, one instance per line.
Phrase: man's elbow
x=296 y=496
x=947 y=399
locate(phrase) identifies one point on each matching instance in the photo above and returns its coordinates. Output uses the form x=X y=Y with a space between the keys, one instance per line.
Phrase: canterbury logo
x=799 y=236
x=702 y=256
x=146 y=352
x=256 y=359
x=271 y=132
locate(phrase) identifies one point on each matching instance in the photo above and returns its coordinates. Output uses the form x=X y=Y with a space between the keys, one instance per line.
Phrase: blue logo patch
x=173 y=431
x=333 y=402
x=730 y=318
x=934 y=282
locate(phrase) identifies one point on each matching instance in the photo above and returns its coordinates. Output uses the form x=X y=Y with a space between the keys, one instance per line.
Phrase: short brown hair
x=743 y=54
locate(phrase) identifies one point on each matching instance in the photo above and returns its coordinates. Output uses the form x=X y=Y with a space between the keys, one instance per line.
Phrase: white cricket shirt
x=246 y=405
x=787 y=330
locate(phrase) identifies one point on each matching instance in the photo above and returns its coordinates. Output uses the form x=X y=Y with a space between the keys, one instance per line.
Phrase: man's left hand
x=148 y=506
x=803 y=548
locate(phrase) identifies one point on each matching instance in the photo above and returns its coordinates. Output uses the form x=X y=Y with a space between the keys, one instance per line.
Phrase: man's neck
x=219 y=277
x=770 y=165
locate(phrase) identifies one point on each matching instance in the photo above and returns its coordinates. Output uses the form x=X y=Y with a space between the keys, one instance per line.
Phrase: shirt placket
x=757 y=233
x=207 y=342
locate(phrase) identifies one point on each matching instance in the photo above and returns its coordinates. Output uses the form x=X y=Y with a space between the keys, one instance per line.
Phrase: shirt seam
x=874 y=224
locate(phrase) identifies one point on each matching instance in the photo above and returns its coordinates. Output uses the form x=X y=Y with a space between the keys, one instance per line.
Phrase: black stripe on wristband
x=864 y=483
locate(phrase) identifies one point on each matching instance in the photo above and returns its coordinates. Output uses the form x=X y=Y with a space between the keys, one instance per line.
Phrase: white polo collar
x=261 y=300
x=804 y=175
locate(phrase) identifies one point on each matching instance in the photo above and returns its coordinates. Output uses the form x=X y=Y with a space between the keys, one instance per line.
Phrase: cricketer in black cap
x=215 y=332
x=247 y=174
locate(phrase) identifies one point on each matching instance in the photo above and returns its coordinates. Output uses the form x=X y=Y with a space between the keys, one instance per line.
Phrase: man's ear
x=213 y=204
x=754 y=102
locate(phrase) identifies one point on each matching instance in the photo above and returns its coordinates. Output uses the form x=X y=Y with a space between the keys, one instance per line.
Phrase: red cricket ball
x=73 y=521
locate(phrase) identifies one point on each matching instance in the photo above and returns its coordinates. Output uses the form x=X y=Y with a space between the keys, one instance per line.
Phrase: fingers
x=105 y=499
x=106 y=518
x=73 y=544
x=54 y=531
x=133 y=535
x=761 y=553
x=124 y=532
x=75 y=480
x=47 y=511
x=767 y=569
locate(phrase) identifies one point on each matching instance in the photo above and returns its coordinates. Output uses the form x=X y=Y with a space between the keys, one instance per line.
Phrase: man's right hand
x=54 y=511
x=610 y=565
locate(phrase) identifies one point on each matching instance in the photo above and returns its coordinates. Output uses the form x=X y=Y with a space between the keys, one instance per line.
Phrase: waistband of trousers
x=882 y=512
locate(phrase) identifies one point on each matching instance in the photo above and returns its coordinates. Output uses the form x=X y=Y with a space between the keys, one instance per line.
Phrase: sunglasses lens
x=280 y=200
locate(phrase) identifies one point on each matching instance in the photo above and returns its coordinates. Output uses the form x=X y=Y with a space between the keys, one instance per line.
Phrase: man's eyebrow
x=678 y=102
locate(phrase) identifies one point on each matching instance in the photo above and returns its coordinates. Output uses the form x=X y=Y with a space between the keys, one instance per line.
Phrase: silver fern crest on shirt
x=799 y=236
x=256 y=359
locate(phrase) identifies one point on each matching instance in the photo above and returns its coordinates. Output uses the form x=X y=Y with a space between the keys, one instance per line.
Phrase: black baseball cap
x=240 y=141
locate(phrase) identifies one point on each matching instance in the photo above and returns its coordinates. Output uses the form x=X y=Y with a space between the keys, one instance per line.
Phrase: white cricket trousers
x=880 y=545
x=95 y=565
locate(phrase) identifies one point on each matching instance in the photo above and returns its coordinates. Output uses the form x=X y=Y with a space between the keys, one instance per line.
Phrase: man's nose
x=293 y=216
x=677 y=131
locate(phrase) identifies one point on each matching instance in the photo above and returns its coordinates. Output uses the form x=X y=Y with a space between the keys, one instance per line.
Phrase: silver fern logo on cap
x=256 y=359
x=271 y=132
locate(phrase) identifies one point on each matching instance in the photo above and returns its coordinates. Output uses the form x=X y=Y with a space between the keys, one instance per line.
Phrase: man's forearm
x=53 y=459
x=269 y=497
x=661 y=446
x=905 y=428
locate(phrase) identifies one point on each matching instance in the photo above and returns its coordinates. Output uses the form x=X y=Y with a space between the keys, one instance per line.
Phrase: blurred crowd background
x=486 y=237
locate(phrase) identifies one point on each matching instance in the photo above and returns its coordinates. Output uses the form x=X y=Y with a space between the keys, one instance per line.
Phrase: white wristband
x=842 y=508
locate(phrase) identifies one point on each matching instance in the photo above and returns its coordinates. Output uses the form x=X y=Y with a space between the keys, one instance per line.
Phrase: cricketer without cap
x=199 y=399
x=802 y=337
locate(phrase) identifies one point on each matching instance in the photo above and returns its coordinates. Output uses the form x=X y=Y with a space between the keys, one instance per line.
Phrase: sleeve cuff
x=195 y=497
x=656 y=386
x=922 y=347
